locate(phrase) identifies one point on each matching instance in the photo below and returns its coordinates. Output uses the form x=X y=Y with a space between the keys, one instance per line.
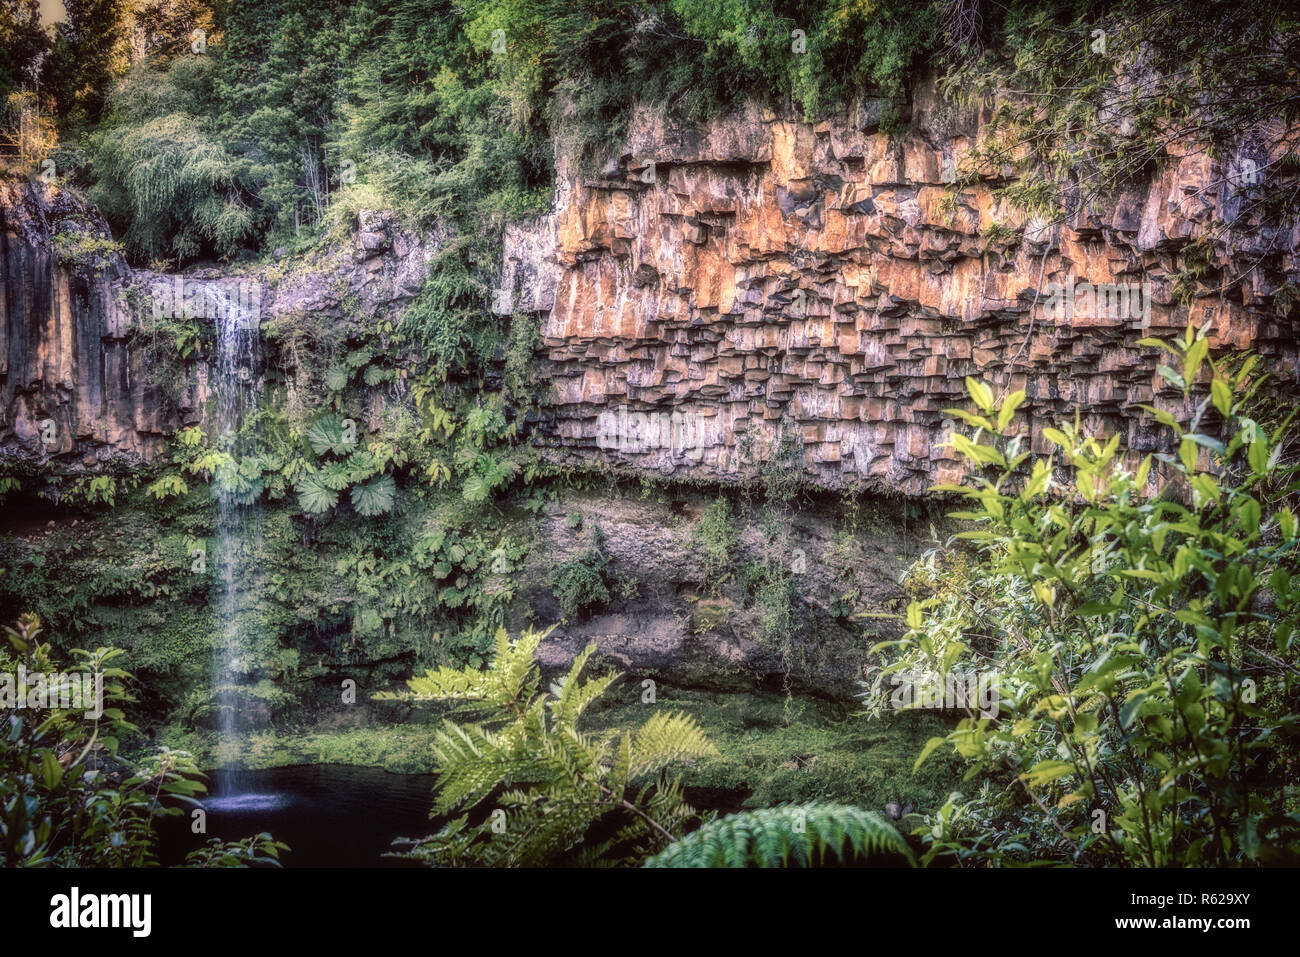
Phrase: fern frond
x=545 y=791
x=807 y=835
x=666 y=738
x=574 y=696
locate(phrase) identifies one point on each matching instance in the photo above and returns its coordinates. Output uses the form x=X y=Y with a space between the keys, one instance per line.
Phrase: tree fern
x=807 y=835
x=532 y=788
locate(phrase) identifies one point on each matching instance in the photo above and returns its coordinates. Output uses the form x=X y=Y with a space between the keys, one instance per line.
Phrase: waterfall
x=235 y=385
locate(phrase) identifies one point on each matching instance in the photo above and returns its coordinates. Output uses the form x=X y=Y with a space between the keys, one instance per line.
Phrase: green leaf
x=375 y=497
x=1044 y=772
x=970 y=418
x=1171 y=376
x=1057 y=436
x=1130 y=709
x=315 y=496
x=1095 y=609
x=808 y=835
x=1195 y=356
x=336 y=380
x=374 y=375
x=1143 y=472
x=1286 y=523
x=1248 y=513
x=1257 y=454
x=1221 y=395
x=927 y=751
x=914 y=616
x=51 y=770
x=981 y=393
x=1009 y=407
x=330 y=433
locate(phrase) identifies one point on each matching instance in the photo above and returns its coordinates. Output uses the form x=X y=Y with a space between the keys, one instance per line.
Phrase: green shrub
x=1145 y=645
x=165 y=177
x=532 y=789
x=713 y=539
x=582 y=582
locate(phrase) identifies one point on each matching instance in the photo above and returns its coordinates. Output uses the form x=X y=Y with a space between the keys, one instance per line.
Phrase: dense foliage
x=1144 y=642
x=1091 y=99
x=66 y=798
x=1144 y=646
x=530 y=787
x=285 y=114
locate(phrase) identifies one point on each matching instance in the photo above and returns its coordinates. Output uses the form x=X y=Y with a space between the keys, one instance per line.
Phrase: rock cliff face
x=76 y=389
x=69 y=385
x=785 y=286
x=721 y=296
x=668 y=619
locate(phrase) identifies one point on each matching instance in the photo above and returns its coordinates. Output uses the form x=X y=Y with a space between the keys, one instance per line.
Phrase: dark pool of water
x=329 y=815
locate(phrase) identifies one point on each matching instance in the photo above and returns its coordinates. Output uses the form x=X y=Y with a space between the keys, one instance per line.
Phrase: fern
x=374 y=375
x=532 y=788
x=808 y=835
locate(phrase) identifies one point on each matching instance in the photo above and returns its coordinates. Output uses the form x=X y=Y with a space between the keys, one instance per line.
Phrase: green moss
x=827 y=751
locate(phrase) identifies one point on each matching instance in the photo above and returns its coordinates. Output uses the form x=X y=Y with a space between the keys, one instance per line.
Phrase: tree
x=166 y=180
x=23 y=45
x=168 y=27
x=90 y=51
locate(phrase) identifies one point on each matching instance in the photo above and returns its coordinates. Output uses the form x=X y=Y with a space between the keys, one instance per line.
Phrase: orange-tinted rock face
x=757 y=289
x=765 y=278
x=70 y=386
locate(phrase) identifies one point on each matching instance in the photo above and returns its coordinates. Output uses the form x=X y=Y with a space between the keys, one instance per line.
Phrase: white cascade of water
x=235 y=386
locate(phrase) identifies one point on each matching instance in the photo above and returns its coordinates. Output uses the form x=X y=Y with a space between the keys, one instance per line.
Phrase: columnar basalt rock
x=777 y=278
x=75 y=387
x=70 y=386
x=773 y=289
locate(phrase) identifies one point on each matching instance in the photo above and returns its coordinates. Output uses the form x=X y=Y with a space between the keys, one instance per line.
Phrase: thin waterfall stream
x=236 y=384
